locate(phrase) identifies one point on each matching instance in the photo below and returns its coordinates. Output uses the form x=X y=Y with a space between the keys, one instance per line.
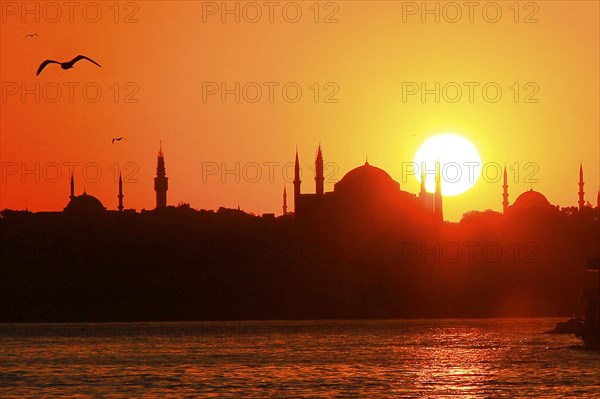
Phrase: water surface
x=304 y=359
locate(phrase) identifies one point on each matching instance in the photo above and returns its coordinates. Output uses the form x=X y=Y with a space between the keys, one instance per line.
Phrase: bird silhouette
x=31 y=35
x=118 y=139
x=65 y=65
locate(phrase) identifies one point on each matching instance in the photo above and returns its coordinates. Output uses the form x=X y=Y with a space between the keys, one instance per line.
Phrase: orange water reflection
x=367 y=359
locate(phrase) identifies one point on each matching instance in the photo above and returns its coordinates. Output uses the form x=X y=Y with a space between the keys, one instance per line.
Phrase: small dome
x=85 y=204
x=366 y=178
x=532 y=199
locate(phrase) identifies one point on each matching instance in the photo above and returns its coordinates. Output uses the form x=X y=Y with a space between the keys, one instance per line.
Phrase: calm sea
x=306 y=359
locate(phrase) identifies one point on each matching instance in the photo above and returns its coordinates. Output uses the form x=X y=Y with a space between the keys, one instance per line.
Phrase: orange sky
x=167 y=53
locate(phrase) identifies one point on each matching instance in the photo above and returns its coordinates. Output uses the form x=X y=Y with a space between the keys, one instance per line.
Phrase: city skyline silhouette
x=366 y=181
x=367 y=233
x=299 y=199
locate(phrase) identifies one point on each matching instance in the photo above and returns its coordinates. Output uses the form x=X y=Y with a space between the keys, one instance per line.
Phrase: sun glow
x=460 y=163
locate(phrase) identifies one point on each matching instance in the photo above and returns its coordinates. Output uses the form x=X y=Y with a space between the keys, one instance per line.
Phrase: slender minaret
x=319 y=177
x=426 y=200
x=598 y=199
x=581 y=201
x=284 y=201
x=120 y=196
x=161 y=182
x=423 y=189
x=437 y=202
x=72 y=187
x=297 y=182
x=505 y=192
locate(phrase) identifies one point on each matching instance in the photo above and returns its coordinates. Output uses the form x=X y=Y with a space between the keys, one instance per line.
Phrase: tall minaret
x=297 y=182
x=423 y=189
x=161 y=182
x=72 y=187
x=426 y=200
x=581 y=201
x=505 y=192
x=437 y=202
x=284 y=201
x=319 y=178
x=120 y=196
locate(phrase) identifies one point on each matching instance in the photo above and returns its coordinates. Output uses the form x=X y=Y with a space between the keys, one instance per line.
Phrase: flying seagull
x=118 y=139
x=31 y=35
x=65 y=65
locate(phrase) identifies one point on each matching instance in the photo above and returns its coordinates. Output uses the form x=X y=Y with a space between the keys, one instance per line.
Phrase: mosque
x=86 y=204
x=531 y=199
x=366 y=189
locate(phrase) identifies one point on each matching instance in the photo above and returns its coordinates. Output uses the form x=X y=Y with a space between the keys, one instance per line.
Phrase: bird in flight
x=65 y=65
x=118 y=139
x=31 y=35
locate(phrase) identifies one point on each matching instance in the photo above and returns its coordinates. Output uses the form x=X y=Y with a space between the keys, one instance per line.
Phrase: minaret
x=120 y=196
x=425 y=199
x=319 y=178
x=297 y=182
x=161 y=182
x=437 y=202
x=505 y=193
x=72 y=187
x=581 y=201
x=284 y=201
x=423 y=189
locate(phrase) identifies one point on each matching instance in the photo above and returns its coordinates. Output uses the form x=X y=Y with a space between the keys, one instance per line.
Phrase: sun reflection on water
x=384 y=359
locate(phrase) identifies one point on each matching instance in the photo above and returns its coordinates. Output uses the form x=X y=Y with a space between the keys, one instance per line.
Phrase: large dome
x=531 y=199
x=85 y=204
x=366 y=178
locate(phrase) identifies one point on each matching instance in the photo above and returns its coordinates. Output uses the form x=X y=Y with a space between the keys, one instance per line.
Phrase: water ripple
x=341 y=359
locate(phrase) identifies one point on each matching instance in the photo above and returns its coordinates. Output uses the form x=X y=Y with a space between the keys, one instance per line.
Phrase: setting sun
x=460 y=163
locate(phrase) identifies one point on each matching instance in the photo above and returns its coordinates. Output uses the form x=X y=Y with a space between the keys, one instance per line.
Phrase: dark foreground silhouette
x=180 y=264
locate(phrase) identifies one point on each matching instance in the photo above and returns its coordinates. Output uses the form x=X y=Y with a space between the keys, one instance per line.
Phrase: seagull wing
x=113 y=141
x=43 y=65
x=83 y=57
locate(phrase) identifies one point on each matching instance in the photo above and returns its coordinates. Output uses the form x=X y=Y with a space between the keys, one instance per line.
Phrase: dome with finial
x=531 y=199
x=366 y=178
x=85 y=204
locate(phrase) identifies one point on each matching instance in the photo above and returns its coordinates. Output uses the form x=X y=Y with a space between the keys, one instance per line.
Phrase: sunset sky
x=157 y=67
